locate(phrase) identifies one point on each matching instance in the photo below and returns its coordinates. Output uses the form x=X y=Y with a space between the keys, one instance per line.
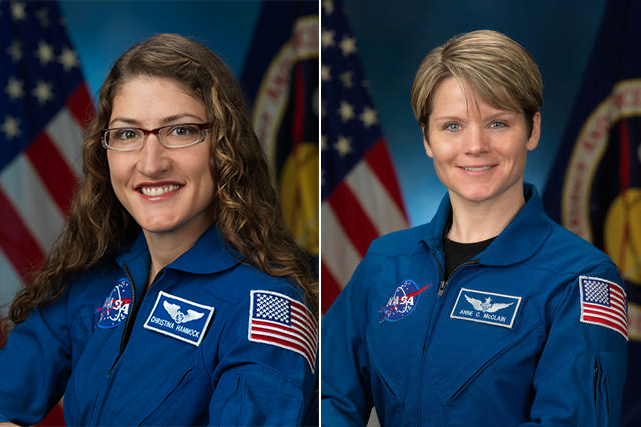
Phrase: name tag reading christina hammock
x=179 y=318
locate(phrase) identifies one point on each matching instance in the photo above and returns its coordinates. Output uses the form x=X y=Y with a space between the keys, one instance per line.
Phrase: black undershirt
x=457 y=253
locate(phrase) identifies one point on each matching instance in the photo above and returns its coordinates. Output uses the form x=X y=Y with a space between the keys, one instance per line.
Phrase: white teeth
x=157 y=191
x=482 y=168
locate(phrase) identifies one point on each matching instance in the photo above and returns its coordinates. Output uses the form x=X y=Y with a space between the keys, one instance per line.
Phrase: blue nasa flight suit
x=196 y=366
x=502 y=343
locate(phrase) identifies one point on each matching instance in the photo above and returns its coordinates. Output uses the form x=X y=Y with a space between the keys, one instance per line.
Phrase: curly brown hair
x=245 y=203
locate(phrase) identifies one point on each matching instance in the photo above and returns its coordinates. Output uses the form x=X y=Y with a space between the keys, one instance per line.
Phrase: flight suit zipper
x=443 y=282
x=123 y=343
x=131 y=318
x=132 y=314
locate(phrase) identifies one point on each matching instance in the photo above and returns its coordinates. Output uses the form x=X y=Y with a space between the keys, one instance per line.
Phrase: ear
x=426 y=144
x=533 y=140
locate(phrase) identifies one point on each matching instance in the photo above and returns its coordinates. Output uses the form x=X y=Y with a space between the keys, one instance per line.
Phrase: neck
x=166 y=247
x=478 y=221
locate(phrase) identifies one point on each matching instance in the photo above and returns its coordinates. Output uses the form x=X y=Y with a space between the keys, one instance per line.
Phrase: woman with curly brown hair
x=175 y=295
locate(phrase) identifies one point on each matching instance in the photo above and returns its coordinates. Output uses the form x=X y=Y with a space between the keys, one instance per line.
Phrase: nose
x=153 y=161
x=476 y=141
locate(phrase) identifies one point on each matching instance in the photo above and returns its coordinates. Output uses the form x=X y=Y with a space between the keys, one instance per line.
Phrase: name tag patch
x=486 y=307
x=115 y=307
x=179 y=318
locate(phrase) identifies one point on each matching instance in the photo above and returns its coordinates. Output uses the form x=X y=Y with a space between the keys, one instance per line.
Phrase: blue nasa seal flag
x=594 y=187
x=402 y=302
x=280 y=77
x=115 y=307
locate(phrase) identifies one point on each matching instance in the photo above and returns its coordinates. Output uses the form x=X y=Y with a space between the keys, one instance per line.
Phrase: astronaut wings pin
x=178 y=316
x=487 y=306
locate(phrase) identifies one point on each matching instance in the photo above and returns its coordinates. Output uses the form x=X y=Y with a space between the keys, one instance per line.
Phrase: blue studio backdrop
x=585 y=52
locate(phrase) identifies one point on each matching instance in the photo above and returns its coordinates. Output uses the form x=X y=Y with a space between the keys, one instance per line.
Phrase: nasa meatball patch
x=486 y=307
x=179 y=318
x=402 y=302
x=115 y=307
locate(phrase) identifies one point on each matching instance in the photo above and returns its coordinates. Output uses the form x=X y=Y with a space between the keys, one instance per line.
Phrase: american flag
x=279 y=320
x=44 y=104
x=603 y=304
x=360 y=194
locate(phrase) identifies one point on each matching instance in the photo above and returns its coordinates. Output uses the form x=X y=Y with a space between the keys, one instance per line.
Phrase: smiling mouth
x=157 y=191
x=477 y=169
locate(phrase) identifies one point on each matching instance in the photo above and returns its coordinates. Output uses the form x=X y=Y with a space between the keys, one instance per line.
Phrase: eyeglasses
x=171 y=136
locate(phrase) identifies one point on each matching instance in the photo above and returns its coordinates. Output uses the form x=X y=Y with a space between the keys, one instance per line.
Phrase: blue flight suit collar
x=523 y=236
x=208 y=255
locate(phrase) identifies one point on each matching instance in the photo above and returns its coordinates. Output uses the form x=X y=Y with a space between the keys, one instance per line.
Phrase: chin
x=477 y=198
x=158 y=225
x=475 y=194
x=158 y=230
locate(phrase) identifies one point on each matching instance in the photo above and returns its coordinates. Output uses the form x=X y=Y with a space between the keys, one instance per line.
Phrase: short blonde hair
x=496 y=67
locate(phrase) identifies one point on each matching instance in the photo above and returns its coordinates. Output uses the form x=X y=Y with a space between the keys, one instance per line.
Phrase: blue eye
x=498 y=125
x=452 y=127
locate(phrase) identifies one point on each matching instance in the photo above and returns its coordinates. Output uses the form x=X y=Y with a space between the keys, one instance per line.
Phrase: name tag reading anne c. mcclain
x=486 y=307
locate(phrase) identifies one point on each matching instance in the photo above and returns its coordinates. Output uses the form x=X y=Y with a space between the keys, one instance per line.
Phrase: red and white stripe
x=301 y=336
x=36 y=190
x=365 y=205
x=613 y=317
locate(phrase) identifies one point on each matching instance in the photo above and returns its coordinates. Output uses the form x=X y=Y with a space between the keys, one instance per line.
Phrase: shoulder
x=406 y=242
x=586 y=278
x=238 y=284
x=84 y=298
x=262 y=309
x=93 y=284
x=569 y=252
x=405 y=251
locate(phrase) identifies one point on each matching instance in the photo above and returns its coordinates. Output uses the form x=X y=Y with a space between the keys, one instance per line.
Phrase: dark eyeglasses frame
x=146 y=132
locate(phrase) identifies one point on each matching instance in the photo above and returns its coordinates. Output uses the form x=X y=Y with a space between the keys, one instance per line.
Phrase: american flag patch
x=603 y=304
x=279 y=320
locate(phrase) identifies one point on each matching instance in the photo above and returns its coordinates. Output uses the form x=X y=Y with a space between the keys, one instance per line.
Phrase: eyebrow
x=166 y=120
x=446 y=118
x=499 y=114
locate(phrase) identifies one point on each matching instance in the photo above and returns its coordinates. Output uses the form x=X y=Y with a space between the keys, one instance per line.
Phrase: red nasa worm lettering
x=116 y=304
x=389 y=308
